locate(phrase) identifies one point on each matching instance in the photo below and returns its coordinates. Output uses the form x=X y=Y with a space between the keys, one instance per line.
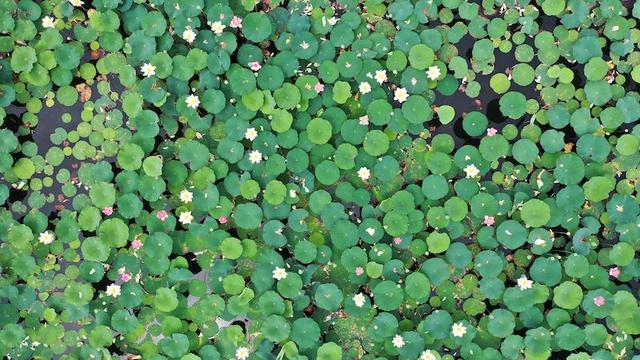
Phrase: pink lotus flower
x=614 y=272
x=222 y=219
x=489 y=220
x=125 y=277
x=599 y=301
x=255 y=66
x=162 y=215
x=236 y=22
x=364 y=120
x=107 y=211
x=491 y=131
x=319 y=87
x=359 y=271
x=397 y=240
x=136 y=244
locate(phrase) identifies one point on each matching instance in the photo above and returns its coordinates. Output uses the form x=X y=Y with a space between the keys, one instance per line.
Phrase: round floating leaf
x=418 y=286
x=329 y=351
x=388 y=296
x=475 y=123
x=445 y=113
x=513 y=104
x=114 y=232
x=23 y=58
x=305 y=332
x=535 y=213
x=130 y=157
x=500 y=83
x=176 y=345
x=328 y=297
x=525 y=151
x=152 y=166
x=256 y=27
x=165 y=300
x=438 y=242
x=569 y=337
x=501 y=323
x=416 y=109
x=276 y=328
x=511 y=234
x=567 y=295
x=319 y=131
x=102 y=194
x=376 y=143
x=247 y=216
x=24 y=168
x=94 y=249
x=194 y=153
x=421 y=56
x=551 y=7
x=598 y=188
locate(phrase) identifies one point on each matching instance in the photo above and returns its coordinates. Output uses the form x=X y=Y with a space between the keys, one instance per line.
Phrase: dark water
x=487 y=100
x=49 y=121
x=41 y=136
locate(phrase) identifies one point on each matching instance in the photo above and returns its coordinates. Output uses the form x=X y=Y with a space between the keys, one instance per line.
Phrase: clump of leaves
x=319 y=180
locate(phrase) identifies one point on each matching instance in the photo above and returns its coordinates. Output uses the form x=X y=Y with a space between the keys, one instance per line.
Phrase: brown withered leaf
x=85 y=92
x=568 y=147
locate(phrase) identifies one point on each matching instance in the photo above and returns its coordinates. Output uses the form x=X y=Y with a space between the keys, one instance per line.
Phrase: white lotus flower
x=250 y=134
x=192 y=101
x=370 y=231
x=524 y=283
x=400 y=95
x=46 y=237
x=458 y=330
x=433 y=72
x=113 y=290
x=471 y=170
x=189 y=35
x=359 y=300
x=255 y=156
x=427 y=355
x=242 y=353
x=279 y=273
x=381 y=76
x=148 y=70
x=398 y=341
x=76 y=2
x=186 y=196
x=48 y=22
x=217 y=27
x=185 y=217
x=364 y=173
x=364 y=87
